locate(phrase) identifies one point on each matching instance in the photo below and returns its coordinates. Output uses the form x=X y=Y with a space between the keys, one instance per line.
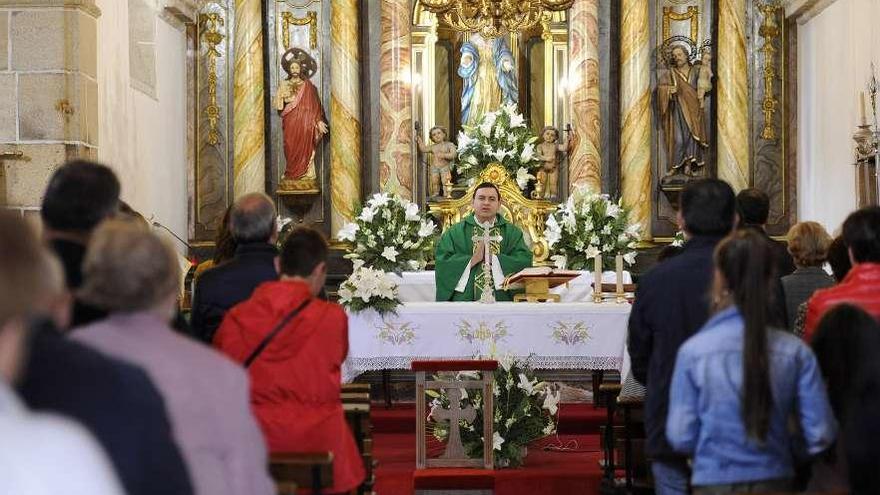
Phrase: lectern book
x=554 y=276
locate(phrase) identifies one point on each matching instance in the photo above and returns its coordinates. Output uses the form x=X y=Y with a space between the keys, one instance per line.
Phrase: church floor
x=546 y=472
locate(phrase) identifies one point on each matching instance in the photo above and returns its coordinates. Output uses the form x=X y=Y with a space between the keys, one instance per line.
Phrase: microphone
x=160 y=226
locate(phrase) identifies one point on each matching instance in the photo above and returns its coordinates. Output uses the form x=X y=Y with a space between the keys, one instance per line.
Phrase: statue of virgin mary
x=489 y=77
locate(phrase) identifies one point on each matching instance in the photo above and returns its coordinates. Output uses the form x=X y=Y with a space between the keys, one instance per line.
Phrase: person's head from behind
x=224 y=243
x=126 y=212
x=31 y=285
x=753 y=206
x=861 y=233
x=304 y=257
x=838 y=258
x=80 y=195
x=846 y=344
x=744 y=270
x=252 y=219
x=128 y=268
x=707 y=208
x=486 y=201
x=808 y=244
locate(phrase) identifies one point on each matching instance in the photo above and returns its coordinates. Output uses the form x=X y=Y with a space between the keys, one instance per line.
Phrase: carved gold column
x=248 y=116
x=733 y=95
x=585 y=162
x=345 y=104
x=396 y=174
x=635 y=110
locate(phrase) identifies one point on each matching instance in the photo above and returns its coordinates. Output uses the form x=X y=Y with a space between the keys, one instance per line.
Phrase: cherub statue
x=549 y=153
x=443 y=152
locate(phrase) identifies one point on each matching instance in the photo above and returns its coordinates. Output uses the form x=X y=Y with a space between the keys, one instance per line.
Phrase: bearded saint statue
x=681 y=93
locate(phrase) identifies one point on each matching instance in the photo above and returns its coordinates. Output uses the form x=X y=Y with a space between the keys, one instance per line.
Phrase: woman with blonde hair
x=808 y=244
x=134 y=275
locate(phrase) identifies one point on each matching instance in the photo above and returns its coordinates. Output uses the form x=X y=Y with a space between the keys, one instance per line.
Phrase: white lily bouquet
x=525 y=410
x=390 y=234
x=587 y=225
x=501 y=136
x=679 y=239
x=369 y=288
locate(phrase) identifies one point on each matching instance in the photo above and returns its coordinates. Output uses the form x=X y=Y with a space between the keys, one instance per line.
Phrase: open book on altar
x=553 y=276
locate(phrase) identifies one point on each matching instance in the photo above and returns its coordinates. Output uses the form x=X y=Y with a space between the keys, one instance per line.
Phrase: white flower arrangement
x=369 y=288
x=589 y=224
x=525 y=410
x=501 y=136
x=679 y=239
x=390 y=234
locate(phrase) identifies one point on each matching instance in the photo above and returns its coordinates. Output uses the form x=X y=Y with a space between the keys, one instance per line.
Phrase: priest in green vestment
x=459 y=272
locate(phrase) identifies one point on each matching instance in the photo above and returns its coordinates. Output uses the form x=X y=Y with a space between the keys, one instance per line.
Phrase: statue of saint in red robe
x=302 y=116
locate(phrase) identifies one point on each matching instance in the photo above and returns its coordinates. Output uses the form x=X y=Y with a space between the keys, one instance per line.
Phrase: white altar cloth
x=585 y=336
x=419 y=286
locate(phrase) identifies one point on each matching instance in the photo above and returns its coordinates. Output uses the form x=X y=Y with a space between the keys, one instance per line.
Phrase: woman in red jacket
x=295 y=379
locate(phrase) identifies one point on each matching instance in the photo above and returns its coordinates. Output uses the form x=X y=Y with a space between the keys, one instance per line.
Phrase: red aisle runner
x=544 y=472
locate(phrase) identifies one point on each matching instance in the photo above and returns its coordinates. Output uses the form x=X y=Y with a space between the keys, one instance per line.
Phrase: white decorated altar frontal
x=585 y=336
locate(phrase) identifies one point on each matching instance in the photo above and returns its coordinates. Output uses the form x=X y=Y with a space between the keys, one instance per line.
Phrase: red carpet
x=545 y=472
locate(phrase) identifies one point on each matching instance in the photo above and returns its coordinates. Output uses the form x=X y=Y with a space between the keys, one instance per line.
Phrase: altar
x=582 y=335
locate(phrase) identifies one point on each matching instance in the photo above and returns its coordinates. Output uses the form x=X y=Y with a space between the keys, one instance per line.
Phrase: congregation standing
x=758 y=366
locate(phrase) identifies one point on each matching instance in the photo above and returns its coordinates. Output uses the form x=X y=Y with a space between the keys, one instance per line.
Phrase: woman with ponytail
x=737 y=382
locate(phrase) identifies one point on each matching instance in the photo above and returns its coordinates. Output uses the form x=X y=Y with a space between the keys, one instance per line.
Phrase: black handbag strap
x=268 y=338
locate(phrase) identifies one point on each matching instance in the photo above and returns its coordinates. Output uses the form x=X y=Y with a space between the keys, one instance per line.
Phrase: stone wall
x=48 y=93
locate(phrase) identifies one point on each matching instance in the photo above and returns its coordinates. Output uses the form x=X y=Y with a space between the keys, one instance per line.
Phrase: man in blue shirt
x=671 y=304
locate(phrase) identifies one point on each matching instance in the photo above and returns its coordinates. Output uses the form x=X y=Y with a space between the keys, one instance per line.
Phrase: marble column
x=635 y=112
x=345 y=105
x=396 y=173
x=248 y=114
x=586 y=161
x=733 y=95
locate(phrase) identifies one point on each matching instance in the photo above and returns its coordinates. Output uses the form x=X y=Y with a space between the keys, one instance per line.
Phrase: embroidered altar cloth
x=582 y=335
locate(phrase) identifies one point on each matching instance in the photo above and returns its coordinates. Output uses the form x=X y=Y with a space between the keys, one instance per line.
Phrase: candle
x=862 y=120
x=597 y=278
x=618 y=268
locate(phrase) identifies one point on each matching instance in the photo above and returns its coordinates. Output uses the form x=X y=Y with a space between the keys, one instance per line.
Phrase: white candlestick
x=618 y=268
x=597 y=278
x=862 y=119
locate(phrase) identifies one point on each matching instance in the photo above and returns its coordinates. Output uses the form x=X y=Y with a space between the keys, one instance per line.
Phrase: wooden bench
x=623 y=399
x=631 y=398
x=356 y=404
x=308 y=469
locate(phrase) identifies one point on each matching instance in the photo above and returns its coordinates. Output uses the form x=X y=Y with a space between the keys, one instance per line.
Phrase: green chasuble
x=456 y=247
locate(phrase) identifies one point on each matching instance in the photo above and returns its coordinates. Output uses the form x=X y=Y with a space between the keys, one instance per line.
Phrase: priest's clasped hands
x=479 y=254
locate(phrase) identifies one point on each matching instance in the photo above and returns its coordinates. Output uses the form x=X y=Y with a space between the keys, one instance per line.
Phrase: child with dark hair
x=846 y=343
x=737 y=382
x=838 y=258
x=295 y=378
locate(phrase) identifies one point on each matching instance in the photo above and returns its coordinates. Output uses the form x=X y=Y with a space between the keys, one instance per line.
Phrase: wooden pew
x=356 y=404
x=631 y=400
x=307 y=469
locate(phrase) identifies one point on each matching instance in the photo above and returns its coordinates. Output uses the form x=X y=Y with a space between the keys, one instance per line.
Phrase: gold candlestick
x=597 y=279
